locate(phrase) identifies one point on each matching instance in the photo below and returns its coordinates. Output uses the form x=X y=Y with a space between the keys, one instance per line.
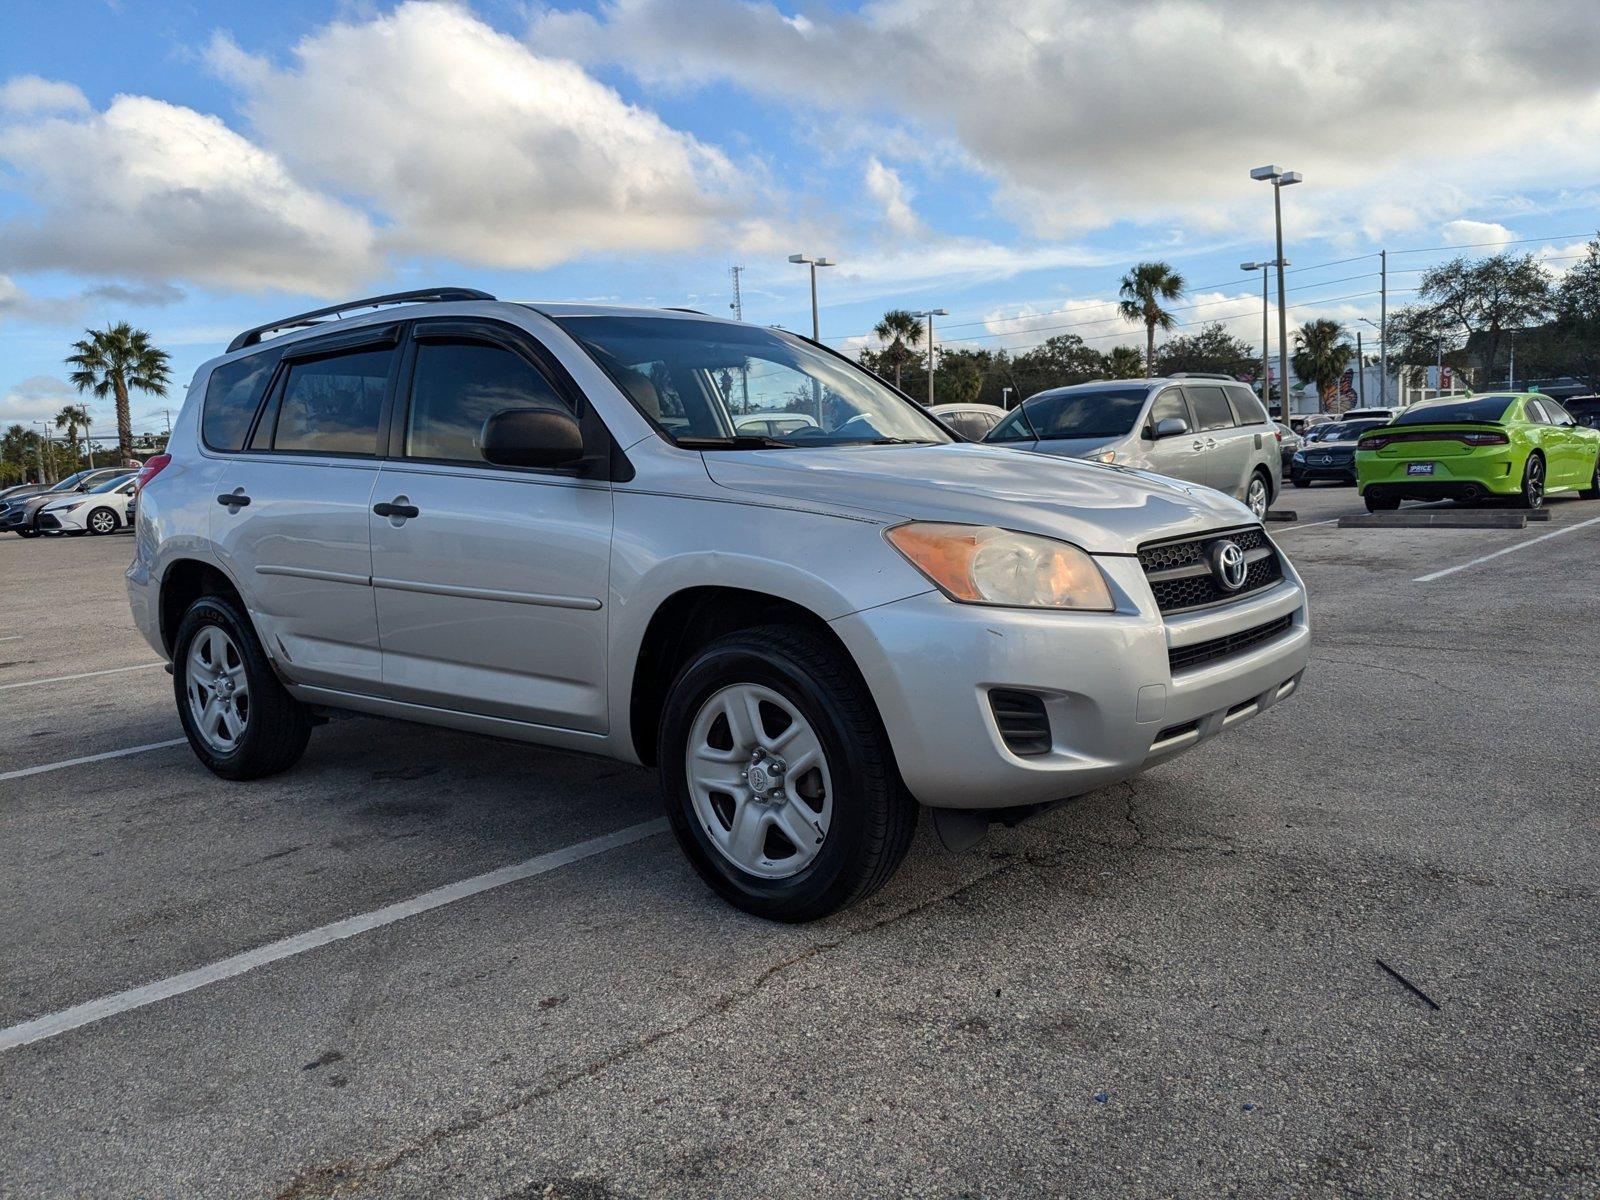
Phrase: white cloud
x=1089 y=113
x=151 y=191
x=1485 y=234
x=479 y=149
x=35 y=399
x=30 y=93
x=886 y=187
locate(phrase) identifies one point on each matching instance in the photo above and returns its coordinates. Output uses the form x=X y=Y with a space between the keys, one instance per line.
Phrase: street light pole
x=1266 y=361
x=1383 y=328
x=930 y=314
x=1280 y=179
x=816 y=328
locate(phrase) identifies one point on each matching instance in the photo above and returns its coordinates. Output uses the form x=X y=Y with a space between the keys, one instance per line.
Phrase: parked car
x=1330 y=457
x=539 y=522
x=972 y=421
x=17 y=515
x=777 y=425
x=1585 y=410
x=102 y=510
x=1213 y=432
x=1288 y=442
x=1519 y=445
x=1307 y=423
x=1371 y=414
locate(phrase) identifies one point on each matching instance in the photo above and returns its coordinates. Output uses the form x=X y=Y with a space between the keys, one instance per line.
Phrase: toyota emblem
x=1228 y=567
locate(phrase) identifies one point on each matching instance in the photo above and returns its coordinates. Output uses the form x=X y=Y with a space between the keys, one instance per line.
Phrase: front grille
x=1183 y=658
x=1024 y=725
x=1180 y=575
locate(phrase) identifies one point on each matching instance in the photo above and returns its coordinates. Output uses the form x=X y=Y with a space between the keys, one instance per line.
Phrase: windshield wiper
x=745 y=441
x=902 y=442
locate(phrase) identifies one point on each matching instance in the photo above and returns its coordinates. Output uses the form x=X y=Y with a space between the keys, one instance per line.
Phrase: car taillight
x=1373 y=443
x=1278 y=433
x=153 y=466
x=1485 y=439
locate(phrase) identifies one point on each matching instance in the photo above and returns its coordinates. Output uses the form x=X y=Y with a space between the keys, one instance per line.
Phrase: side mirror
x=1171 y=427
x=532 y=437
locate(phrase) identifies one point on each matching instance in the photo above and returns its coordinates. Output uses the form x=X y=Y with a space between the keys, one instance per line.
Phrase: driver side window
x=1170 y=404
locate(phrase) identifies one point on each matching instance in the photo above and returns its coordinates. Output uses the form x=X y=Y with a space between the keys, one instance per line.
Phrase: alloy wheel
x=218 y=689
x=1257 y=497
x=758 y=779
x=1534 y=488
x=102 y=522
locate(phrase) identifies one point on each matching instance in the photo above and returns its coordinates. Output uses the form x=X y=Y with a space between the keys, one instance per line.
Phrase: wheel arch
x=183 y=582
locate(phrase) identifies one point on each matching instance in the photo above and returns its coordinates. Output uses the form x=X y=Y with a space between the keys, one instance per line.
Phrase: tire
x=1592 y=492
x=1301 y=483
x=274 y=727
x=1381 y=502
x=101 y=521
x=866 y=816
x=1532 y=493
x=1263 y=496
x=27 y=531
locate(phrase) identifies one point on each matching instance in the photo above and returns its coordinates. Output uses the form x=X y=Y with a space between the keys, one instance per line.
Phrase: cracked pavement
x=1168 y=987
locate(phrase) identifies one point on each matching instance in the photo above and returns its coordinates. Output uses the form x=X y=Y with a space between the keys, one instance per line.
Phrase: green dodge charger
x=1514 y=445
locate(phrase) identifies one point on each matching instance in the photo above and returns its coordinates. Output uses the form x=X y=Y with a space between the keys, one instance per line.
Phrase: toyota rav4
x=553 y=523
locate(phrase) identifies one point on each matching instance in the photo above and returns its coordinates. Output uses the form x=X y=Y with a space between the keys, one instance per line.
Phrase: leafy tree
x=1143 y=290
x=1124 y=362
x=901 y=333
x=116 y=361
x=1577 y=323
x=1472 y=304
x=1212 y=349
x=72 y=418
x=18 y=454
x=1321 y=358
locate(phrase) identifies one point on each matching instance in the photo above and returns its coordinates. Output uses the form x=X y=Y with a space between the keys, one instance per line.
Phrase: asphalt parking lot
x=1164 y=988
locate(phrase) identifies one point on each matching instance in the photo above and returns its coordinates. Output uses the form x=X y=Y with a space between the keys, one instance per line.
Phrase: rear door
x=292 y=507
x=1227 y=448
x=492 y=597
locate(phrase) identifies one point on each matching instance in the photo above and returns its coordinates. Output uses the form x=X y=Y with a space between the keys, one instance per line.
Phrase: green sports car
x=1520 y=446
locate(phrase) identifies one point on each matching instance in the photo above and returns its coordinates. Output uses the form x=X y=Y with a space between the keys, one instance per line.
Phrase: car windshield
x=1443 y=412
x=1096 y=413
x=711 y=383
x=1349 y=431
x=69 y=483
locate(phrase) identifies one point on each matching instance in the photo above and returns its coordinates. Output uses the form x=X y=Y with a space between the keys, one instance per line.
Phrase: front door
x=490 y=581
x=1183 y=455
x=290 y=512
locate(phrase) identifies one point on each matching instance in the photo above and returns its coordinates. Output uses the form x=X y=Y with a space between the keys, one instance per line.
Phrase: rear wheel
x=240 y=721
x=1381 y=502
x=101 y=521
x=778 y=777
x=1258 y=495
x=1532 y=494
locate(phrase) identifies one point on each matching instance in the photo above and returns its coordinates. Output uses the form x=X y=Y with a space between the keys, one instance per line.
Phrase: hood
x=1104 y=509
x=63 y=502
x=1077 y=447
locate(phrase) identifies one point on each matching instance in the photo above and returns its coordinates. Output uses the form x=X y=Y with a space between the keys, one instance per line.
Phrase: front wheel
x=1592 y=492
x=1301 y=482
x=240 y=721
x=778 y=777
x=1258 y=495
x=101 y=521
x=1532 y=494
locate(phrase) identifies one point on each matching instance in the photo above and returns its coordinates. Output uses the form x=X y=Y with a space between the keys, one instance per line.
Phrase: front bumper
x=1114 y=700
x=1315 y=472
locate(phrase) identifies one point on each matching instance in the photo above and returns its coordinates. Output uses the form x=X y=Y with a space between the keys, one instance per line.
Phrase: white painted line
x=88 y=1013
x=24 y=772
x=1543 y=537
x=6 y=687
x=1305 y=525
x=15 y=637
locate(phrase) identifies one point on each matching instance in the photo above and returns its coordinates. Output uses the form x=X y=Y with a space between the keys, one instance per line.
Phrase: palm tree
x=1143 y=290
x=1321 y=358
x=902 y=332
x=1124 y=362
x=114 y=361
x=72 y=418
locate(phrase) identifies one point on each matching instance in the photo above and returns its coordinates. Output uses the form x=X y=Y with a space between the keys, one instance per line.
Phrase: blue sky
x=197 y=168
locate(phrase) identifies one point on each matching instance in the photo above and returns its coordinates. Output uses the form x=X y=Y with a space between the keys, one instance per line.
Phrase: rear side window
x=1534 y=411
x=460 y=385
x=1210 y=407
x=1557 y=414
x=1246 y=408
x=233 y=394
x=334 y=405
x=970 y=425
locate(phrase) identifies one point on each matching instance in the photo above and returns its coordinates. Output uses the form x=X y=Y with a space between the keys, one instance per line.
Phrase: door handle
x=1211 y=443
x=1199 y=445
x=396 y=508
x=235 y=500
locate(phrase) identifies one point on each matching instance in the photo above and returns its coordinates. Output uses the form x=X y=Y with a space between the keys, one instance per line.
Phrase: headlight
x=981 y=564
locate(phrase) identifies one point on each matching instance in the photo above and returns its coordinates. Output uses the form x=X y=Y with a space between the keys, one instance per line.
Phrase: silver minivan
x=552 y=523
x=1207 y=430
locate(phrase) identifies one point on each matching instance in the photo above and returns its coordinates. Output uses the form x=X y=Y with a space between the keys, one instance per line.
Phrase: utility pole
x=738 y=315
x=45 y=472
x=38 y=456
x=1361 y=373
x=930 y=314
x=1383 y=328
x=1266 y=361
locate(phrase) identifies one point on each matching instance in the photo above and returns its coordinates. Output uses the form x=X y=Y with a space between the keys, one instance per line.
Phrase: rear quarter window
x=1246 y=407
x=233 y=393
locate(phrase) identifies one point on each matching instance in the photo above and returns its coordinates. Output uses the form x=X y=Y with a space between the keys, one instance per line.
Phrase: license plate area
x=1419 y=468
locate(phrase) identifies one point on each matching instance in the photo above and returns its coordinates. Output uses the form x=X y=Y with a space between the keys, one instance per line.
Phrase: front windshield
x=716 y=382
x=69 y=483
x=1349 y=431
x=1481 y=408
x=1101 y=413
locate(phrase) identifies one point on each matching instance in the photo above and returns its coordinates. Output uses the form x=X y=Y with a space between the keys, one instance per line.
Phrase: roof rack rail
x=679 y=308
x=251 y=337
x=1203 y=375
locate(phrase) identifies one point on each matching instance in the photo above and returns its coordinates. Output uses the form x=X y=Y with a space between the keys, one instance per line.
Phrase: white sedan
x=106 y=509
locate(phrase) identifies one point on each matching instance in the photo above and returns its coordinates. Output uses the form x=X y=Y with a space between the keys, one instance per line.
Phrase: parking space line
x=1304 y=525
x=15 y=637
x=24 y=772
x=6 y=687
x=88 y=1013
x=1543 y=537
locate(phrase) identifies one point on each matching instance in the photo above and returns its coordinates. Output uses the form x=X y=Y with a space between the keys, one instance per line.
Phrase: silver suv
x=542 y=522
x=1204 y=429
